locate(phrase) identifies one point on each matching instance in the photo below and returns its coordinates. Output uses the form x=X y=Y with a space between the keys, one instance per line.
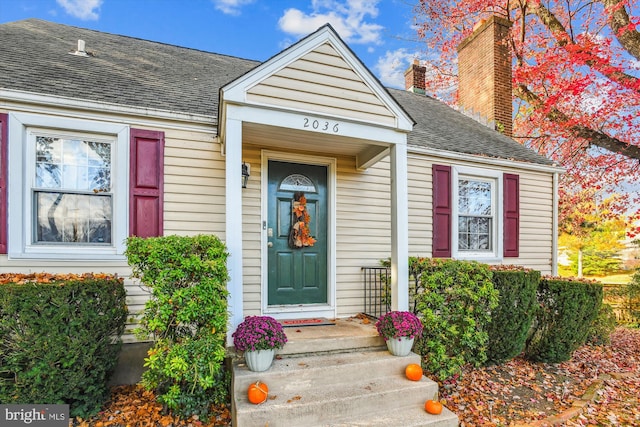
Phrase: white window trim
x=483 y=174
x=20 y=220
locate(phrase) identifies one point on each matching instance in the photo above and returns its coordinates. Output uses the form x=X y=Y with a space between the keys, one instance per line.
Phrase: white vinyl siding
x=323 y=82
x=536 y=210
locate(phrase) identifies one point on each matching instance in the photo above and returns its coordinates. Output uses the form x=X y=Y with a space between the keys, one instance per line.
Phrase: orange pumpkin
x=413 y=372
x=257 y=392
x=433 y=407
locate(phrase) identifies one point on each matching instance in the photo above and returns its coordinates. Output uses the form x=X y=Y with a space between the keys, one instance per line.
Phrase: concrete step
x=344 y=336
x=415 y=416
x=313 y=371
x=340 y=375
x=360 y=401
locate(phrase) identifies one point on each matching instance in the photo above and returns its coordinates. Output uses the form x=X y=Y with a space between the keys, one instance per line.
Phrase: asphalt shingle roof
x=34 y=57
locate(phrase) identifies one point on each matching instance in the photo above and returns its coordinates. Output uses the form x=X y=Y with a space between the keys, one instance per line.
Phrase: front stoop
x=344 y=387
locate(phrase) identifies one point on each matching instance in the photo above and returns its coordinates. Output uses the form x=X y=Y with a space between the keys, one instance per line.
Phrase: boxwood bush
x=567 y=310
x=454 y=300
x=511 y=320
x=186 y=317
x=59 y=338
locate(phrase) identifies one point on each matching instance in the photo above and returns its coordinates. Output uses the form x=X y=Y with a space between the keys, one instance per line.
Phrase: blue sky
x=379 y=32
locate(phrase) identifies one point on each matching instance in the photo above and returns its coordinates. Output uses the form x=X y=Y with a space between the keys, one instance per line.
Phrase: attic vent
x=81 y=50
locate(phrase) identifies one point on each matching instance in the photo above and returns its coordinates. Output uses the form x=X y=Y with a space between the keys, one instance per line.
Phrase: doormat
x=314 y=321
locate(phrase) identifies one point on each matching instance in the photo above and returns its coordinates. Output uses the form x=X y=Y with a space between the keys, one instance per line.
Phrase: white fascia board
x=236 y=91
x=11 y=99
x=451 y=155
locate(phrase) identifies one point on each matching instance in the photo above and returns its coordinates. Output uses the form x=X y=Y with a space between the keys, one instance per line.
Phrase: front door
x=297 y=234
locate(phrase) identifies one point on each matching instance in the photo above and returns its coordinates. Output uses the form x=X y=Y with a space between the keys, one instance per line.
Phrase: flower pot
x=259 y=360
x=400 y=346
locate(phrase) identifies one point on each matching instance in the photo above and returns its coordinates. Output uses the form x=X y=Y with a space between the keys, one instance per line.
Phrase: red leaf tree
x=576 y=83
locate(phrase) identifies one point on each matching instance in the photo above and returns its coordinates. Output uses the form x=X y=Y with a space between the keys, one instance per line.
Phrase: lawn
x=599 y=386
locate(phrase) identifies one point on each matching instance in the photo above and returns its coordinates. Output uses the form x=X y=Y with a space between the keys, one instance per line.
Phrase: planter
x=400 y=346
x=259 y=360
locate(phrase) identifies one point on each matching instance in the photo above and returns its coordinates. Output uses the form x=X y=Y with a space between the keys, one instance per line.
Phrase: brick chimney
x=414 y=78
x=484 y=73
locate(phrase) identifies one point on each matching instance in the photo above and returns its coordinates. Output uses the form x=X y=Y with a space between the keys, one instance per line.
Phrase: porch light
x=246 y=172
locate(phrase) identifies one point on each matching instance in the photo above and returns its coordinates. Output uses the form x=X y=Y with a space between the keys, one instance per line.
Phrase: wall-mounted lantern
x=246 y=172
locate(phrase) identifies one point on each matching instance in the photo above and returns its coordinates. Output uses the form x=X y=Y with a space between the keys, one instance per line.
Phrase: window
x=476 y=213
x=72 y=196
x=476 y=224
x=68 y=197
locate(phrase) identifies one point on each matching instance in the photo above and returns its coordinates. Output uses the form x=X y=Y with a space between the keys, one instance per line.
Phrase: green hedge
x=454 y=300
x=602 y=327
x=186 y=317
x=511 y=320
x=567 y=311
x=59 y=341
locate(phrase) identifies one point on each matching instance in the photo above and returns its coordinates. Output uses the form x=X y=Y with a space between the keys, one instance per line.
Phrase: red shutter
x=511 y=207
x=146 y=192
x=441 y=245
x=4 y=166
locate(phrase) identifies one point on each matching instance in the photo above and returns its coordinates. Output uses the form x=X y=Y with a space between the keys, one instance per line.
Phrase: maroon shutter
x=146 y=192
x=511 y=207
x=441 y=245
x=4 y=166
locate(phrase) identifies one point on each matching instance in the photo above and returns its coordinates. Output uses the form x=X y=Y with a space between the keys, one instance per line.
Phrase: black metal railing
x=377 y=295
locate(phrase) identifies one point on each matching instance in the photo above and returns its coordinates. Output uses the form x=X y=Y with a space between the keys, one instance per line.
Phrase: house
x=105 y=136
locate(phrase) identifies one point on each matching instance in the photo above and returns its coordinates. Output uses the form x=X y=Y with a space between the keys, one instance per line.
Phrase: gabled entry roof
x=319 y=74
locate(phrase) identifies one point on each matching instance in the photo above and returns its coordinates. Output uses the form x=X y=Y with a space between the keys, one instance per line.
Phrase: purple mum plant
x=396 y=324
x=259 y=333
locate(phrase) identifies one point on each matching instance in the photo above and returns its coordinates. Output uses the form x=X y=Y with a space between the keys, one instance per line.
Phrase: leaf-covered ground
x=520 y=392
x=516 y=393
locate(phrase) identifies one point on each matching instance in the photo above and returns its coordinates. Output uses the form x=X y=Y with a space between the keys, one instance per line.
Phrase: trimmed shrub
x=602 y=327
x=60 y=339
x=511 y=320
x=186 y=317
x=454 y=302
x=567 y=310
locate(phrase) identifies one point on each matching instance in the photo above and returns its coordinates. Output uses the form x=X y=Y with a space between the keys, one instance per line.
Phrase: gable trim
x=235 y=91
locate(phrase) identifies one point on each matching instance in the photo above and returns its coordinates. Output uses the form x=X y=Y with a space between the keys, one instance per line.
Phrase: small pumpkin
x=257 y=392
x=433 y=407
x=413 y=372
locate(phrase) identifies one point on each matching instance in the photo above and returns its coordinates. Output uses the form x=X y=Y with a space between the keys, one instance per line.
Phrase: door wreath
x=299 y=235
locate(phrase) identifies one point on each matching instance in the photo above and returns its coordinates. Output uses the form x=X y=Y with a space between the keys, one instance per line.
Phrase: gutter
x=451 y=155
x=8 y=96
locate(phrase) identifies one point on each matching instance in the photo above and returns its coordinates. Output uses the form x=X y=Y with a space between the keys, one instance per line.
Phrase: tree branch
x=619 y=18
x=594 y=137
x=564 y=39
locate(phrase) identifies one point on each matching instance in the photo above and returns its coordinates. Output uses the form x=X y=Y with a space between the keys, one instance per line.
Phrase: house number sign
x=321 y=125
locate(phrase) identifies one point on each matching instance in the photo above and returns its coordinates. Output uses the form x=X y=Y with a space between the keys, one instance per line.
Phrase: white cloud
x=231 y=7
x=83 y=9
x=390 y=68
x=347 y=17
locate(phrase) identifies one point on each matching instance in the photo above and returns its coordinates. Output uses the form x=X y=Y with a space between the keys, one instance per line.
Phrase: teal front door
x=297 y=242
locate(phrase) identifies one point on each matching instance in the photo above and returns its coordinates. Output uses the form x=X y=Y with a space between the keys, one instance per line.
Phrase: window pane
x=73 y=164
x=73 y=218
x=474 y=233
x=48 y=175
x=474 y=197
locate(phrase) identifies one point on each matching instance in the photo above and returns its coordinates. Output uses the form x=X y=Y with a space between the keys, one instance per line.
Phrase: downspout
x=554 y=227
